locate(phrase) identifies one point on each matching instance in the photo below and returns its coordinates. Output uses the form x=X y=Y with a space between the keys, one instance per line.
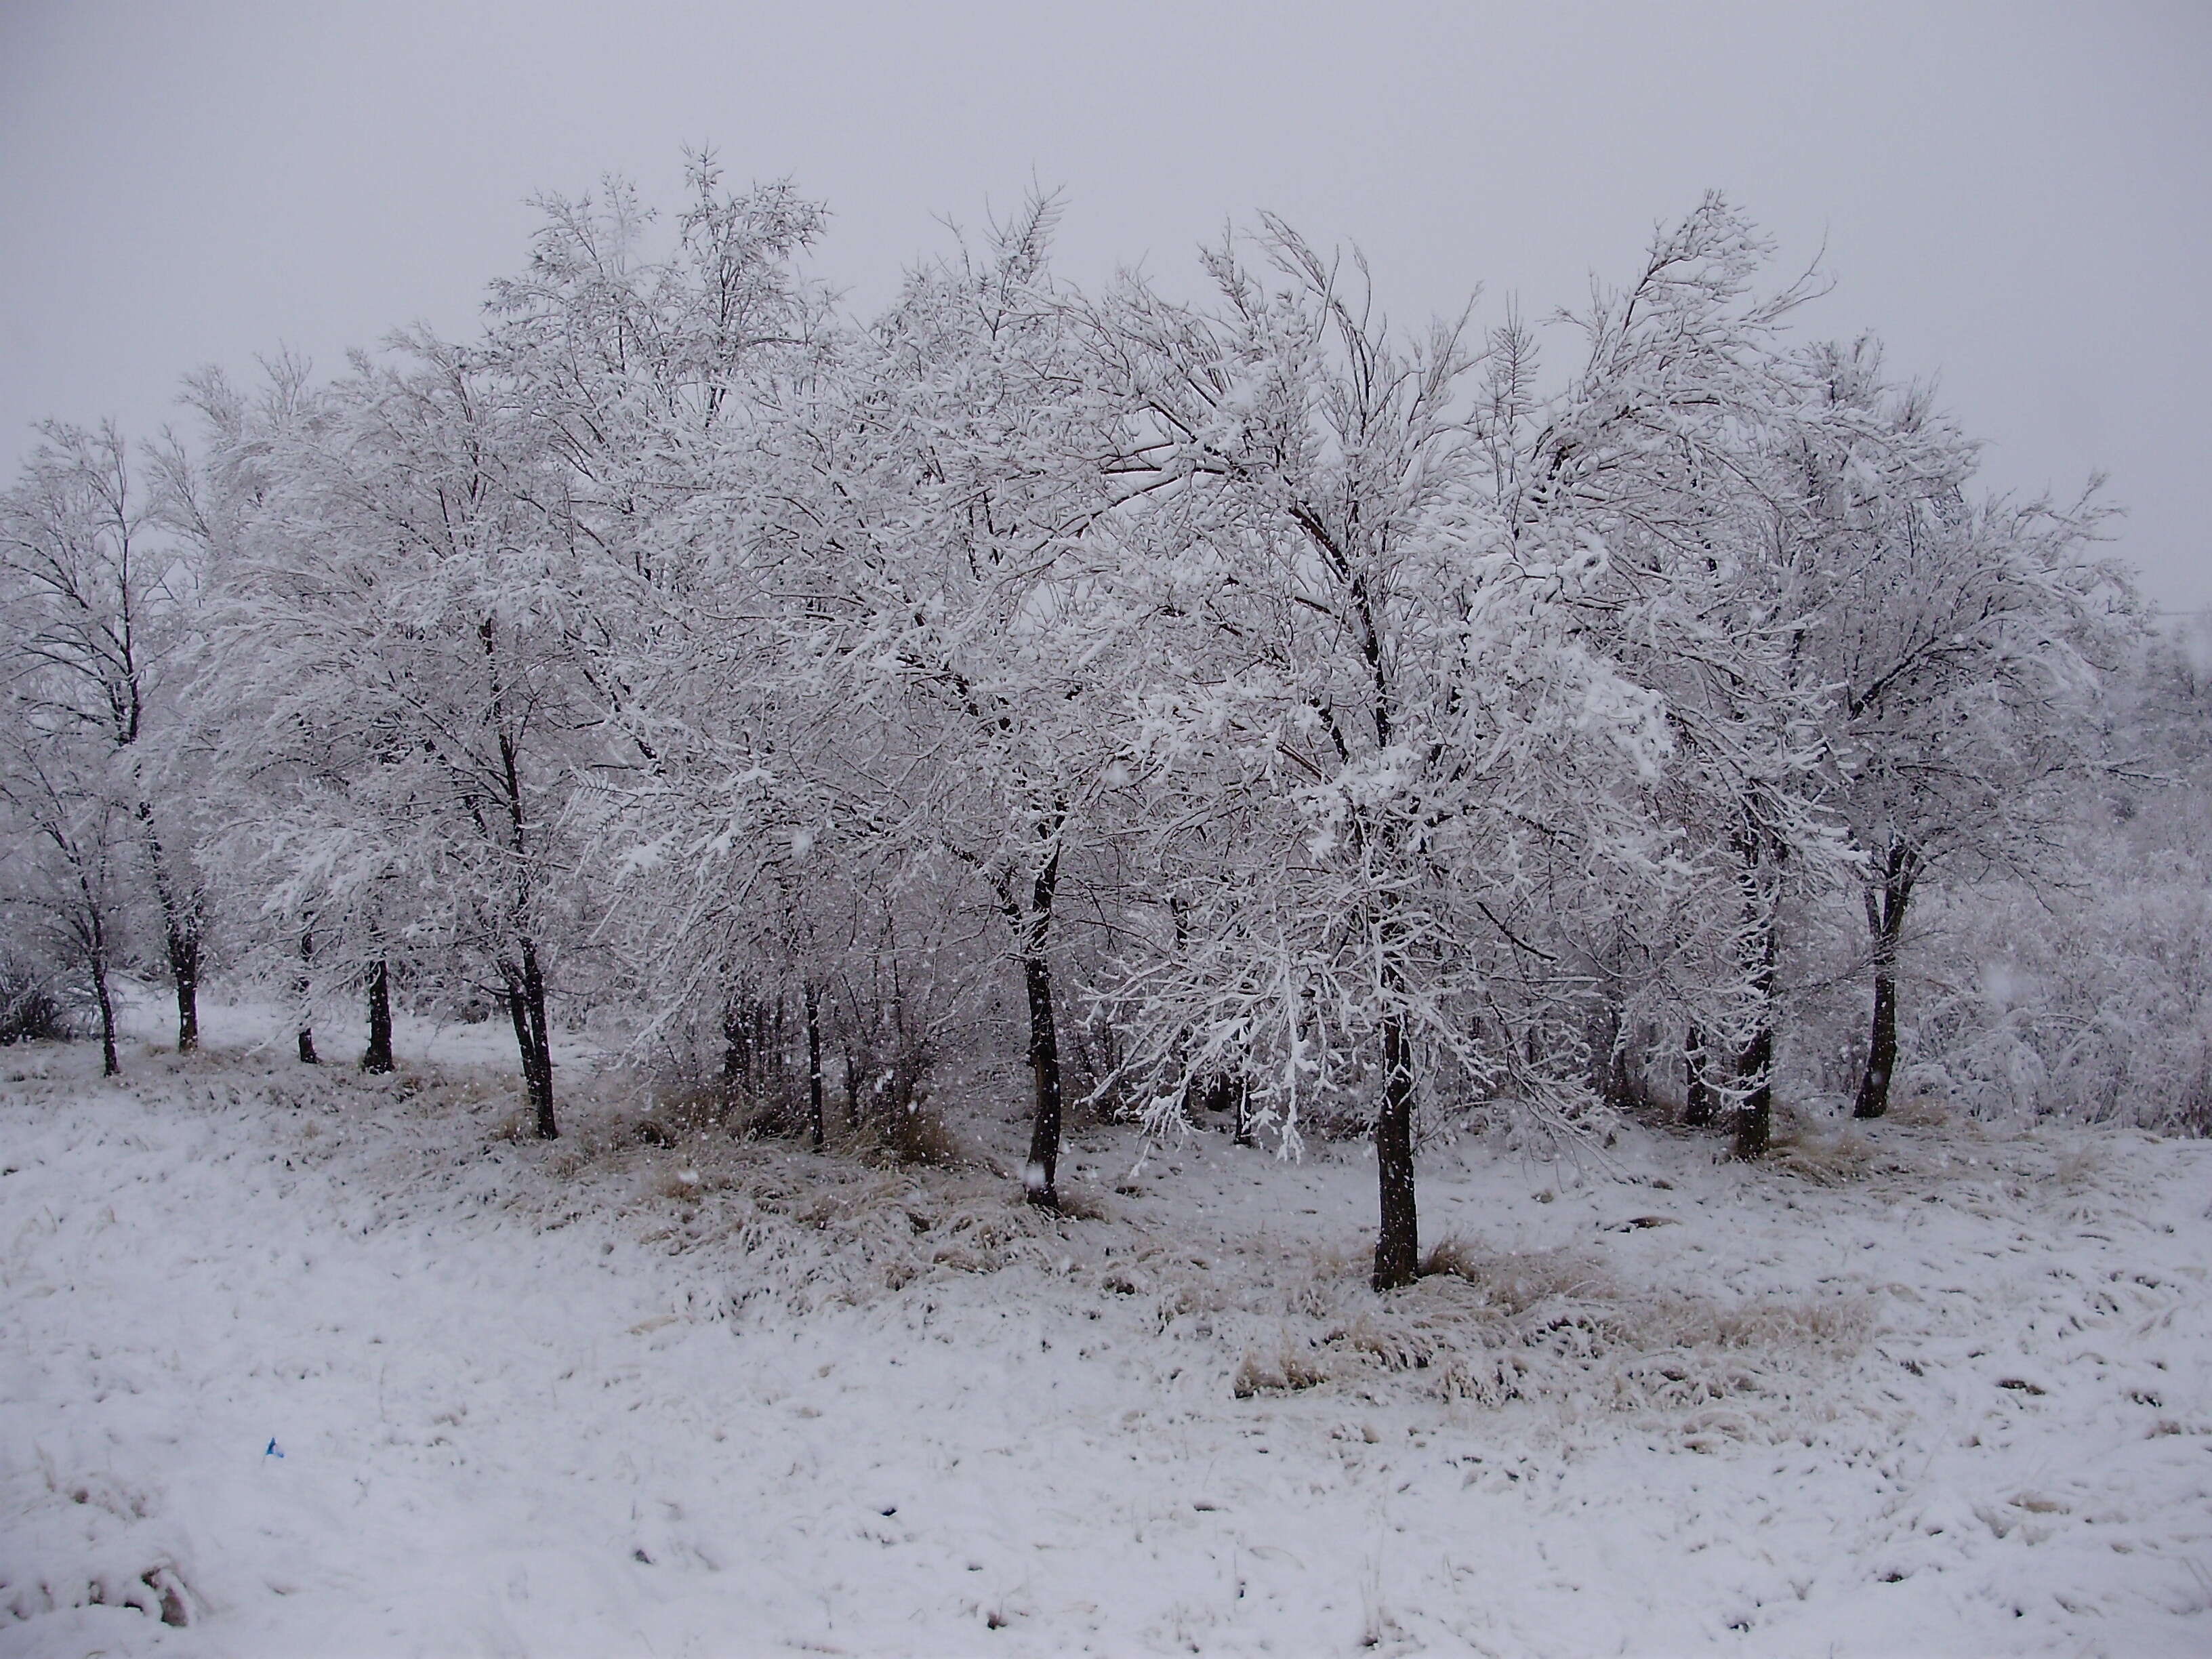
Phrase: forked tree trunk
x=1698 y=1108
x=1398 y=1240
x=526 y=982
x=377 y=1057
x=1885 y=907
x=526 y=1004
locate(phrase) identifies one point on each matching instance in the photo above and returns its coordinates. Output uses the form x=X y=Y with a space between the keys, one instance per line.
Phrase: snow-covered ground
x=1938 y=1388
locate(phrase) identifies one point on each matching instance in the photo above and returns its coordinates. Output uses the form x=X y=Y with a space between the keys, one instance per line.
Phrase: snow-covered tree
x=681 y=392
x=93 y=603
x=961 y=603
x=301 y=875
x=1958 y=638
x=1370 y=732
x=1663 y=445
x=65 y=842
x=401 y=612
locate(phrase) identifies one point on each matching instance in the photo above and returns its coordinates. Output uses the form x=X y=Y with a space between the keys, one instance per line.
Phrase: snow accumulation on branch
x=1092 y=971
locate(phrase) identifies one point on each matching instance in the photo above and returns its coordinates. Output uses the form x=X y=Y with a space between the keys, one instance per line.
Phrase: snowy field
x=1938 y=1388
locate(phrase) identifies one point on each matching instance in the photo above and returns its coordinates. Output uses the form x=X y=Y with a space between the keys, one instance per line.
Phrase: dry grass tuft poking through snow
x=298 y=1362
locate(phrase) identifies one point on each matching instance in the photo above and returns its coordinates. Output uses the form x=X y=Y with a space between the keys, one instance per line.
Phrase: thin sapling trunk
x=814 y=1063
x=92 y=935
x=109 y=1066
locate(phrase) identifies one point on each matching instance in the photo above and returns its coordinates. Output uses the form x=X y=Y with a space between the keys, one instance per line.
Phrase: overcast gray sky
x=2018 y=196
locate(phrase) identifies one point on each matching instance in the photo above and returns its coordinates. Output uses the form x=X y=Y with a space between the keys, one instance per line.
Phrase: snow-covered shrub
x=30 y=1005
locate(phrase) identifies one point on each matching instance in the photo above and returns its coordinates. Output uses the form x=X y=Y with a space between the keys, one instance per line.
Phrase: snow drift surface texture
x=300 y=1362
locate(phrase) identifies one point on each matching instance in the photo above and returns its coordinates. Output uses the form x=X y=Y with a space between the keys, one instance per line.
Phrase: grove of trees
x=1235 y=703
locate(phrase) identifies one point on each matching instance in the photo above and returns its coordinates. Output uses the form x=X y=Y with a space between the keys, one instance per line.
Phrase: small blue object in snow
x=272 y=1451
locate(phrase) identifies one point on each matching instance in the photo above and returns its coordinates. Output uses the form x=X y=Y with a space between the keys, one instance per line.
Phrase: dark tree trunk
x=1398 y=1241
x=1885 y=907
x=1881 y=1051
x=1698 y=1108
x=533 y=987
x=1609 y=1073
x=1754 y=1114
x=93 y=937
x=109 y=1066
x=1041 y=1177
x=526 y=982
x=180 y=930
x=1032 y=924
x=525 y=1005
x=1199 y=1093
x=753 y=1067
x=1230 y=1093
x=307 y=1055
x=1755 y=1062
x=814 y=1063
x=377 y=1057
x=518 y=1016
x=185 y=965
